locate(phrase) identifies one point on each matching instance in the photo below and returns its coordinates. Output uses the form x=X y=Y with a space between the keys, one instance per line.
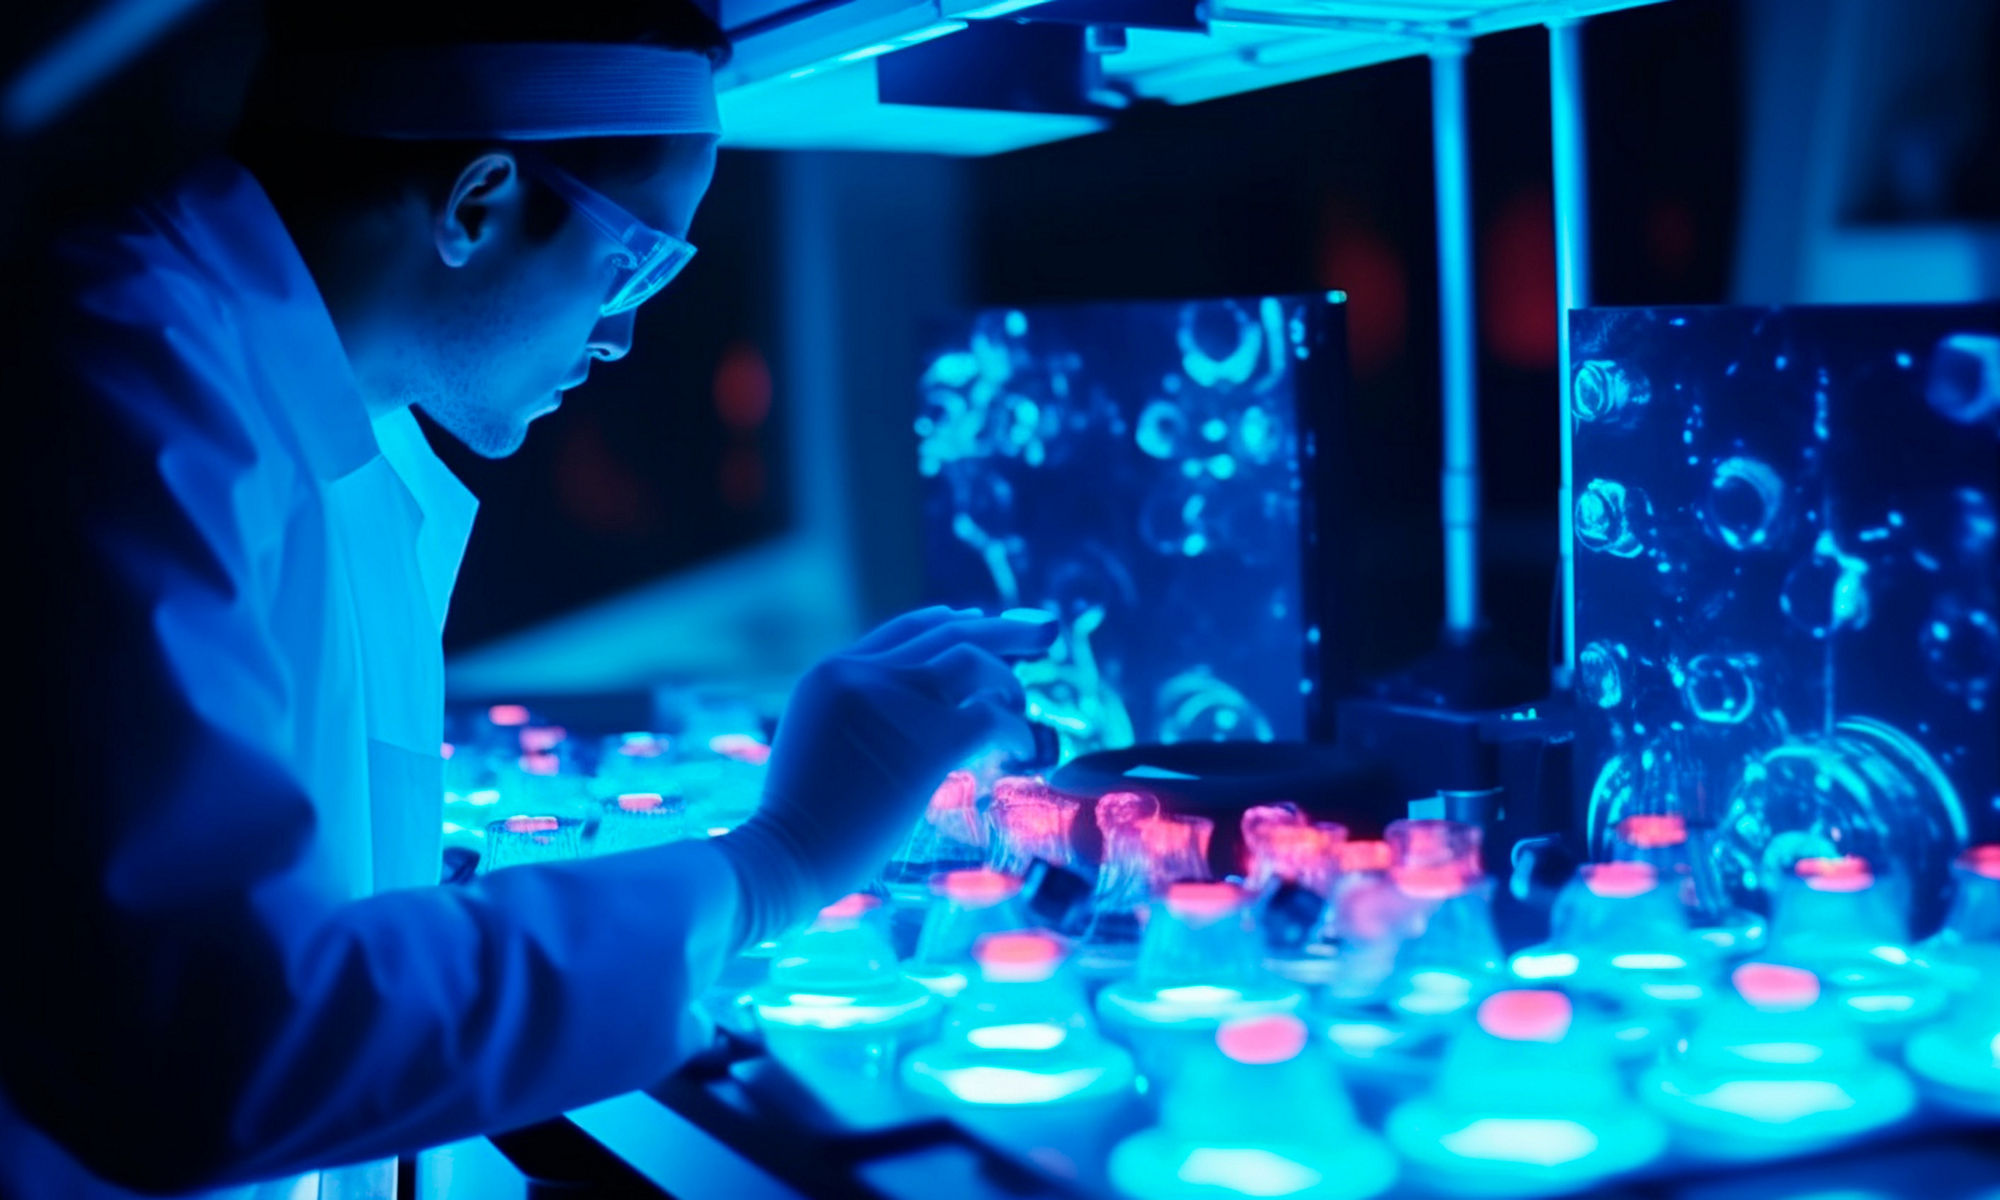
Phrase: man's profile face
x=520 y=320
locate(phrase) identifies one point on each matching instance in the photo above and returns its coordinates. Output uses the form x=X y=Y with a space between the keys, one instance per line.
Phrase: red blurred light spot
x=1653 y=831
x=1191 y=899
x=851 y=907
x=1844 y=874
x=507 y=715
x=740 y=477
x=1982 y=861
x=637 y=802
x=532 y=824
x=1526 y=1016
x=1776 y=988
x=1430 y=883
x=447 y=750
x=1364 y=856
x=1517 y=281
x=540 y=739
x=1620 y=880
x=979 y=887
x=1262 y=1040
x=541 y=764
x=1355 y=257
x=742 y=387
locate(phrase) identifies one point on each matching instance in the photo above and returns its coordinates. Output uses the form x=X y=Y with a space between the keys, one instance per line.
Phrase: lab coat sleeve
x=182 y=1003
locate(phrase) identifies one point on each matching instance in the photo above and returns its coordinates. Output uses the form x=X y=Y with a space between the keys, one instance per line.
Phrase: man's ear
x=484 y=186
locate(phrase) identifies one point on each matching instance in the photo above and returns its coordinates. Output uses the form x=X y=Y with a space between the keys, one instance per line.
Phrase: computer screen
x=1150 y=472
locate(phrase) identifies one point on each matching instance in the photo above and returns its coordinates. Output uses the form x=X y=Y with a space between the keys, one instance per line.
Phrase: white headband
x=506 y=91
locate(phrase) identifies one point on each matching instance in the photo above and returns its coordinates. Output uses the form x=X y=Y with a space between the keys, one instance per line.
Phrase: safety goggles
x=647 y=259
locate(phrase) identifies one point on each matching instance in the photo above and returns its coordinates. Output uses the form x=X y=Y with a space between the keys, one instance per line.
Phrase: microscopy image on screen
x=1786 y=584
x=1136 y=469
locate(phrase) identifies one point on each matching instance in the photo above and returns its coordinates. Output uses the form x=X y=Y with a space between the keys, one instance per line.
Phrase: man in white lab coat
x=228 y=962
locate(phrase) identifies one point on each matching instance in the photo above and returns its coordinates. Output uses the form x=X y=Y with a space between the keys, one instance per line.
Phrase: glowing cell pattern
x=1608 y=393
x=1601 y=674
x=1964 y=381
x=1961 y=650
x=1720 y=689
x=1745 y=502
x=1610 y=517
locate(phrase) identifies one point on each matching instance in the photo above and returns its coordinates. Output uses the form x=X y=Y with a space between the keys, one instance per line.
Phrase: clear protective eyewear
x=648 y=259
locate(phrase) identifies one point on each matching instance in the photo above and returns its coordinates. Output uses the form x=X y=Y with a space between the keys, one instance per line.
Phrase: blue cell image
x=1788 y=607
x=1145 y=472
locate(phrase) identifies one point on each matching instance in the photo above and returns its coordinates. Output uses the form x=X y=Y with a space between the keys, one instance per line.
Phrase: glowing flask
x=1497 y=1124
x=1973 y=922
x=1145 y=852
x=1254 y=1113
x=950 y=836
x=966 y=906
x=632 y=762
x=1031 y=820
x=1661 y=841
x=633 y=820
x=1618 y=933
x=1454 y=957
x=1773 y=1066
x=1020 y=1035
x=1282 y=846
x=1198 y=967
x=1958 y=1058
x=1835 y=918
x=531 y=839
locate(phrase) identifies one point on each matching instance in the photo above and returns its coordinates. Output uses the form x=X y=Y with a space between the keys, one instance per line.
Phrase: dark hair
x=310 y=173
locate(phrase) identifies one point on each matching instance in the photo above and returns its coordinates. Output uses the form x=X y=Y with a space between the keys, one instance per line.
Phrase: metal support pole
x=1572 y=212
x=1457 y=350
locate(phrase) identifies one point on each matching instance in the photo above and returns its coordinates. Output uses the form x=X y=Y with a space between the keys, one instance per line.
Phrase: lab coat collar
x=232 y=228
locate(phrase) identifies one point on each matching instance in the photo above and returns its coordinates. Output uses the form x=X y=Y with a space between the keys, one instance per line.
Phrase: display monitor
x=1784 y=526
x=1159 y=475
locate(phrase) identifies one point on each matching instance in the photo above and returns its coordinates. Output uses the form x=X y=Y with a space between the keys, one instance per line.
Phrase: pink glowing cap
x=741 y=747
x=447 y=750
x=1261 y=1041
x=1018 y=957
x=1653 y=831
x=1844 y=874
x=531 y=824
x=1434 y=843
x=1364 y=856
x=846 y=912
x=540 y=739
x=1204 y=901
x=1526 y=1016
x=958 y=792
x=977 y=888
x=1775 y=988
x=1431 y=882
x=1122 y=810
x=508 y=715
x=541 y=764
x=1620 y=880
x=1983 y=861
x=642 y=802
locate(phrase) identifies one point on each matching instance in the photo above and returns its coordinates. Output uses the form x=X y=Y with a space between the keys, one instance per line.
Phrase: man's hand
x=870 y=732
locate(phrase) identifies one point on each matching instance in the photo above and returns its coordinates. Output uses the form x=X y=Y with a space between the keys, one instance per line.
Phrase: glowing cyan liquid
x=1010 y=1085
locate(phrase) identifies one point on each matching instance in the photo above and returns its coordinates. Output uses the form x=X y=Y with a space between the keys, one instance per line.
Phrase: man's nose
x=611 y=340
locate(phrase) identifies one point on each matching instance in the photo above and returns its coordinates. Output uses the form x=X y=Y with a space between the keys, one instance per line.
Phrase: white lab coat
x=230 y=960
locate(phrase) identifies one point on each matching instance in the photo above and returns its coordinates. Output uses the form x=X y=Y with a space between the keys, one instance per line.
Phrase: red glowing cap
x=742 y=747
x=958 y=792
x=977 y=888
x=532 y=824
x=1017 y=957
x=541 y=764
x=447 y=750
x=637 y=802
x=1845 y=874
x=1653 y=831
x=1433 y=843
x=1620 y=880
x=1983 y=861
x=1430 y=883
x=1776 y=988
x=539 y=739
x=851 y=907
x=1526 y=1016
x=1259 y=1041
x=507 y=715
x=1364 y=856
x=1209 y=900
